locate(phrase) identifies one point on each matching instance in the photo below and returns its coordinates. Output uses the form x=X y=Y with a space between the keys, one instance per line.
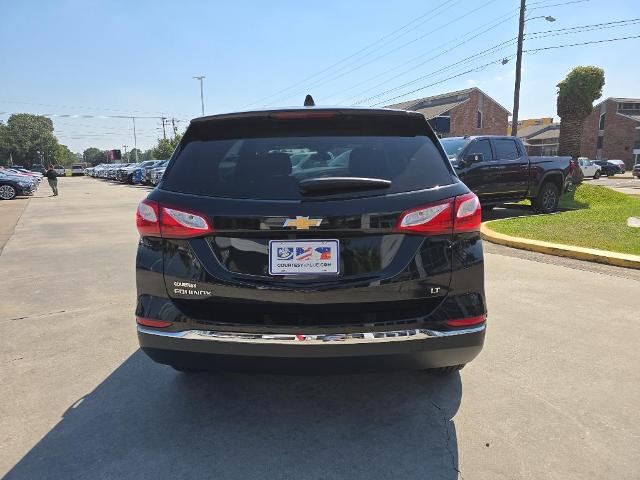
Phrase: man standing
x=52 y=177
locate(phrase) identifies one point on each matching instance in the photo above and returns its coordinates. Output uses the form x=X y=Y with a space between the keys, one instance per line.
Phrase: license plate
x=293 y=257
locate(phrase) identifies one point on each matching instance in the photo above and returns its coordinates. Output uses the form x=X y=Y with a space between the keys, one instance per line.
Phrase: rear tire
x=7 y=192
x=445 y=371
x=547 y=199
x=596 y=175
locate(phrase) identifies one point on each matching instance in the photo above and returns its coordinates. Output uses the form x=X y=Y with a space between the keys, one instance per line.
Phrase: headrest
x=368 y=163
x=257 y=167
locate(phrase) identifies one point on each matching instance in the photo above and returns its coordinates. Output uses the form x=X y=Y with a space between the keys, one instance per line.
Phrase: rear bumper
x=416 y=348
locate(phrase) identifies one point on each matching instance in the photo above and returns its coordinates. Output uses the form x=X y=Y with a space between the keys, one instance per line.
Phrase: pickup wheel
x=547 y=199
x=444 y=371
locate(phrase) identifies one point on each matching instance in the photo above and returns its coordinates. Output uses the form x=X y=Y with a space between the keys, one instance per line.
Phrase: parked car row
x=18 y=182
x=148 y=172
x=596 y=168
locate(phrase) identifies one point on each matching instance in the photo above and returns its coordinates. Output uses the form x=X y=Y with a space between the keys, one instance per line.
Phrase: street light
x=516 y=90
x=200 y=78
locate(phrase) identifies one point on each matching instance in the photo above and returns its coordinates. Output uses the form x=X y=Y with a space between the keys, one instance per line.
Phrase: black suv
x=368 y=254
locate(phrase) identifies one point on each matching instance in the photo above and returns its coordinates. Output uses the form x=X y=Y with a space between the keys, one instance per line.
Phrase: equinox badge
x=302 y=223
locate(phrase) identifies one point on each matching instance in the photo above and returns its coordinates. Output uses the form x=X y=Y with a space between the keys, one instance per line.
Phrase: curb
x=580 y=253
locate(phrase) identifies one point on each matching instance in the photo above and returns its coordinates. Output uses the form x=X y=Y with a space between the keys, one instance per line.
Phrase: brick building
x=465 y=112
x=540 y=135
x=611 y=131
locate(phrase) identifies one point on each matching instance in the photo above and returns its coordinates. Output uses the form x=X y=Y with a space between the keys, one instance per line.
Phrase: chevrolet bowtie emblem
x=302 y=223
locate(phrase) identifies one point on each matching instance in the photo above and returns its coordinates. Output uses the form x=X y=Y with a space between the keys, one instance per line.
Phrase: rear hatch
x=294 y=219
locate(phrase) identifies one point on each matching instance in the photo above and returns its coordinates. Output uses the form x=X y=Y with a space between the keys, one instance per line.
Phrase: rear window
x=264 y=158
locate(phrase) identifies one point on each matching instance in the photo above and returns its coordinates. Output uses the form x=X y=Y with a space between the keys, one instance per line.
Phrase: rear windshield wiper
x=312 y=186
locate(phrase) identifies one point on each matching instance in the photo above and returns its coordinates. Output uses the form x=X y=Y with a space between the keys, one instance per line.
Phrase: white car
x=589 y=169
x=620 y=164
x=60 y=170
x=77 y=170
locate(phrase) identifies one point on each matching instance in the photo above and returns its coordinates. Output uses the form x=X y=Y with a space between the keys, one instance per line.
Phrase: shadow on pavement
x=507 y=211
x=147 y=421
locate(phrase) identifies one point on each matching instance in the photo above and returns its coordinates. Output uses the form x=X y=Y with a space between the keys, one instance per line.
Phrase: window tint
x=483 y=147
x=266 y=159
x=453 y=146
x=506 y=149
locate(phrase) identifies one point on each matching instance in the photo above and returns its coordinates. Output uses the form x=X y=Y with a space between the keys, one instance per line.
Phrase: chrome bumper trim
x=302 y=339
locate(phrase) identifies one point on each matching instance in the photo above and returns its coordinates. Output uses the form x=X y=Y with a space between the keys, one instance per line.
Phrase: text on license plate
x=290 y=257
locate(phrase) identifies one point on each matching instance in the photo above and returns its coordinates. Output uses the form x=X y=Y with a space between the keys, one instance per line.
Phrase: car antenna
x=308 y=101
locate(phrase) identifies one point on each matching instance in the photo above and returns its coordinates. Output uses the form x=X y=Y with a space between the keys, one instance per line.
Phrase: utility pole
x=516 y=90
x=200 y=78
x=135 y=139
x=164 y=132
x=175 y=129
x=125 y=149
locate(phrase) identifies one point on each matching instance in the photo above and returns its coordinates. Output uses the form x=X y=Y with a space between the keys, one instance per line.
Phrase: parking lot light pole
x=516 y=90
x=201 y=78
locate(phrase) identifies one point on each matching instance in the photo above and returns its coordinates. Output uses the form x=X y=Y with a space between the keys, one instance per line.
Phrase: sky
x=96 y=59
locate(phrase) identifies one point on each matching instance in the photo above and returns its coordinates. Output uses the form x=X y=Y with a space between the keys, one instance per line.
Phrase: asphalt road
x=554 y=395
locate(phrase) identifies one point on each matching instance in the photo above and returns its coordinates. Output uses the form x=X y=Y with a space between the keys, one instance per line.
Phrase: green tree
x=28 y=139
x=166 y=146
x=4 y=151
x=64 y=156
x=576 y=94
x=94 y=155
x=131 y=156
x=148 y=155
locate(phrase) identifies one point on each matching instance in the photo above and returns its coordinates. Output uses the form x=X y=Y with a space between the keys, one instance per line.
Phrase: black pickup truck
x=498 y=170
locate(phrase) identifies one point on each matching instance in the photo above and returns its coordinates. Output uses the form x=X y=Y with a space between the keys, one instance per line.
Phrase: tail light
x=468 y=216
x=459 y=214
x=156 y=220
x=147 y=219
x=148 y=322
x=467 y=322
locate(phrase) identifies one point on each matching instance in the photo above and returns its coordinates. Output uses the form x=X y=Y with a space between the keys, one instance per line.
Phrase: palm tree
x=576 y=94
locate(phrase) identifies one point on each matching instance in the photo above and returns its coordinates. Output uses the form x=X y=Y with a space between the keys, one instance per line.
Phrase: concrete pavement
x=553 y=395
x=626 y=184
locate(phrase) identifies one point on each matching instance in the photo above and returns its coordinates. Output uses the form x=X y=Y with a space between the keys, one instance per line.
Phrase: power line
x=423 y=62
x=511 y=56
x=315 y=85
x=430 y=12
x=606 y=40
x=81 y=107
x=582 y=28
x=481 y=67
x=324 y=81
x=555 y=4
x=489 y=50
